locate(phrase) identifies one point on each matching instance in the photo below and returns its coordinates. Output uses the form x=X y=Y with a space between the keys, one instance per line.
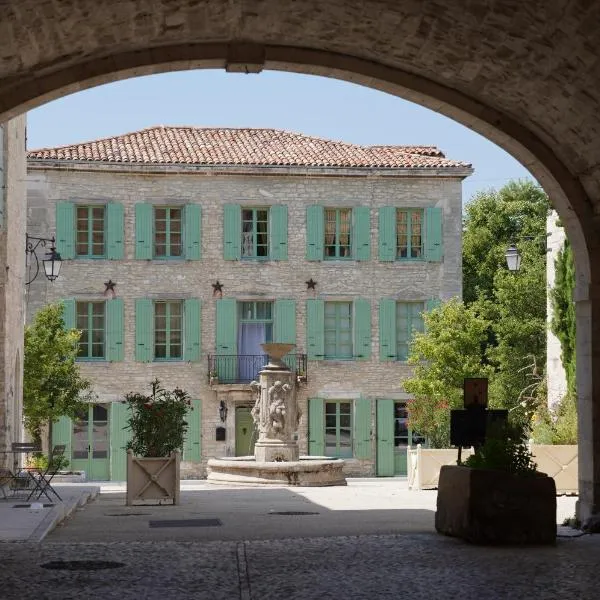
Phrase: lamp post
x=52 y=261
x=513 y=258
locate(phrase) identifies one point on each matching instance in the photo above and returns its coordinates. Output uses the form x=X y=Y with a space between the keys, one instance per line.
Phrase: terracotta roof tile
x=223 y=146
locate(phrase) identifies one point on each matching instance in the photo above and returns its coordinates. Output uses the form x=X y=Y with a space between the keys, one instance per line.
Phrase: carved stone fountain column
x=275 y=412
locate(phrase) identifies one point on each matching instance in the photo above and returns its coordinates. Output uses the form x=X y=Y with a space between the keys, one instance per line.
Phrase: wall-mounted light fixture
x=513 y=258
x=222 y=411
x=52 y=261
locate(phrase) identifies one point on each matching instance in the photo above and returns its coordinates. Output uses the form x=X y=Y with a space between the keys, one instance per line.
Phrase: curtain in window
x=250 y=337
x=330 y=222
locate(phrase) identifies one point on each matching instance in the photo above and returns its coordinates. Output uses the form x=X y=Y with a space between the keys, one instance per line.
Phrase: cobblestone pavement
x=416 y=566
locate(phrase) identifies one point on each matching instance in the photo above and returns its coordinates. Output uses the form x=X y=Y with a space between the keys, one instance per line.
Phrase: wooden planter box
x=492 y=507
x=153 y=478
x=424 y=464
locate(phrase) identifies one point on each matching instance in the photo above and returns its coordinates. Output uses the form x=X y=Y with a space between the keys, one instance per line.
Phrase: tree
x=450 y=349
x=52 y=384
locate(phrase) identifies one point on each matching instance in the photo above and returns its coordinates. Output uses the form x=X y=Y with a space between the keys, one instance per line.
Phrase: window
x=409 y=233
x=168 y=232
x=338 y=330
x=409 y=319
x=338 y=428
x=255 y=233
x=168 y=330
x=91 y=321
x=91 y=227
x=338 y=233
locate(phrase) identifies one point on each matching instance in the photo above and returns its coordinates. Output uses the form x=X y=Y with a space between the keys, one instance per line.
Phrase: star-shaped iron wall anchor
x=217 y=288
x=109 y=286
x=310 y=284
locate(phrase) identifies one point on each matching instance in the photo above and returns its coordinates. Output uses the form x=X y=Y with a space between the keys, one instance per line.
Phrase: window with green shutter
x=338 y=428
x=254 y=241
x=91 y=321
x=338 y=233
x=168 y=232
x=338 y=330
x=409 y=233
x=409 y=318
x=90 y=231
x=168 y=330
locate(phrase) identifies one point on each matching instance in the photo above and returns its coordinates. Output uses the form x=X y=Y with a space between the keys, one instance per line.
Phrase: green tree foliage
x=493 y=221
x=450 y=350
x=52 y=384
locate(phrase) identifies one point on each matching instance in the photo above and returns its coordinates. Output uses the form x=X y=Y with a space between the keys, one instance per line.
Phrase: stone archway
x=519 y=74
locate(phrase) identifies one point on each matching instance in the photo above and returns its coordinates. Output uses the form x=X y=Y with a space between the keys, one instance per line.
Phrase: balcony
x=244 y=368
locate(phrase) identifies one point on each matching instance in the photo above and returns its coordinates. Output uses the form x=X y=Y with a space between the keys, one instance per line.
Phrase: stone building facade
x=184 y=248
x=12 y=284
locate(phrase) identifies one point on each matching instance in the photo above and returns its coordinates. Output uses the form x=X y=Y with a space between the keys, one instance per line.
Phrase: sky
x=307 y=104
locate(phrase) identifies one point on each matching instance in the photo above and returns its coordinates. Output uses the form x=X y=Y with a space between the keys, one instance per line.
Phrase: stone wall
x=12 y=283
x=84 y=279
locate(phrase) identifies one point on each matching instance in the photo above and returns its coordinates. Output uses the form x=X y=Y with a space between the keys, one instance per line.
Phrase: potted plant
x=498 y=496
x=158 y=428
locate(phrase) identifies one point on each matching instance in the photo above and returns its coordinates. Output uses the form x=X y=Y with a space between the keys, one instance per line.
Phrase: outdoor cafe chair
x=43 y=479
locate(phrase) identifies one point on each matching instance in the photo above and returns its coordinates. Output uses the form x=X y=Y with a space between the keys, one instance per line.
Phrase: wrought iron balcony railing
x=244 y=368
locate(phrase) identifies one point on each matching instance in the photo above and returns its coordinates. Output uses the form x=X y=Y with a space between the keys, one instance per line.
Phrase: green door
x=89 y=450
x=385 y=438
x=244 y=432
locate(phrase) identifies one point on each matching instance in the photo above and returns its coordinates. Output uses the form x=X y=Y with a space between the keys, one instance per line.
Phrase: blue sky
x=306 y=104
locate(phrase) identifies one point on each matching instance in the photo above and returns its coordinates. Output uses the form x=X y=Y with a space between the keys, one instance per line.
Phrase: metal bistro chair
x=17 y=480
x=43 y=478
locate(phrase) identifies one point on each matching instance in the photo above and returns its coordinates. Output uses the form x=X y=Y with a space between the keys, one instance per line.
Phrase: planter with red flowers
x=158 y=426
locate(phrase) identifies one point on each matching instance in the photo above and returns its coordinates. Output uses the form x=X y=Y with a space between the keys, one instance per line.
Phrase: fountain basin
x=310 y=471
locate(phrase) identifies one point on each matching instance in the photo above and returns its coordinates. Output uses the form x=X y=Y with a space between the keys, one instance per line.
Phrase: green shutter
x=362 y=329
x=434 y=245
x=285 y=321
x=315 y=232
x=143 y=231
x=232 y=232
x=192 y=234
x=385 y=437
x=362 y=232
x=114 y=233
x=316 y=427
x=191 y=330
x=120 y=434
x=279 y=232
x=387 y=233
x=114 y=329
x=227 y=338
x=432 y=303
x=69 y=313
x=65 y=229
x=362 y=428
x=61 y=434
x=144 y=330
x=387 y=329
x=192 y=446
x=315 y=329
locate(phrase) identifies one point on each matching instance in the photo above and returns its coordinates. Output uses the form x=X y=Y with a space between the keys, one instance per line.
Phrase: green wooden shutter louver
x=115 y=231
x=362 y=329
x=316 y=427
x=315 y=329
x=362 y=428
x=69 y=313
x=114 y=329
x=279 y=232
x=432 y=303
x=434 y=243
x=385 y=437
x=143 y=231
x=232 y=232
x=387 y=329
x=61 y=434
x=119 y=436
x=315 y=232
x=192 y=444
x=65 y=230
x=226 y=341
x=285 y=321
x=362 y=232
x=192 y=330
x=193 y=231
x=387 y=233
x=144 y=330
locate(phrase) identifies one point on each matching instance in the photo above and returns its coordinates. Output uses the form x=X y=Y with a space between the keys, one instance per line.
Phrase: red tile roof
x=233 y=147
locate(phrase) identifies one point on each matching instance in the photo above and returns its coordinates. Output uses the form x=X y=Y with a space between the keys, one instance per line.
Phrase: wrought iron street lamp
x=513 y=258
x=51 y=262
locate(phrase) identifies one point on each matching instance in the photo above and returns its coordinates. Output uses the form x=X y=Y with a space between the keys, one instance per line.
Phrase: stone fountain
x=276 y=416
